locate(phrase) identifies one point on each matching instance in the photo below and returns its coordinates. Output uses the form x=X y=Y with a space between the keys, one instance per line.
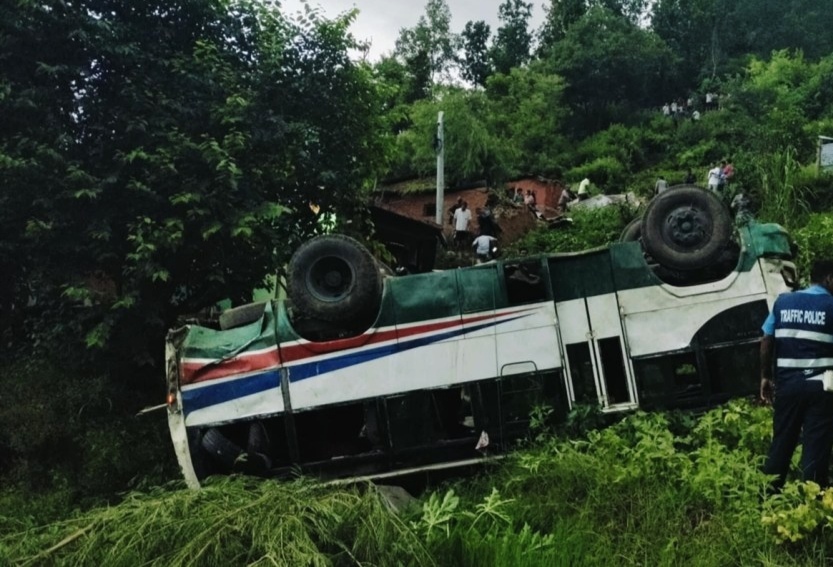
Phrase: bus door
x=587 y=310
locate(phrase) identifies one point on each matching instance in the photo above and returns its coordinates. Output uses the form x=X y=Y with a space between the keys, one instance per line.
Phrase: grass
x=652 y=489
x=231 y=521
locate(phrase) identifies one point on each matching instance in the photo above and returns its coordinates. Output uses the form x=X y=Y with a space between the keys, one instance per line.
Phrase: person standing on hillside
x=714 y=177
x=728 y=173
x=798 y=339
x=486 y=221
x=565 y=198
x=462 y=218
x=453 y=210
x=741 y=205
x=661 y=186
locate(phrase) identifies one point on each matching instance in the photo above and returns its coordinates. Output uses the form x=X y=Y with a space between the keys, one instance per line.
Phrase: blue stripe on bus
x=195 y=399
x=311 y=369
x=199 y=398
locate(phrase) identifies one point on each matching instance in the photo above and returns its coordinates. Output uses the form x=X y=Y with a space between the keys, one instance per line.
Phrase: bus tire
x=632 y=231
x=334 y=278
x=243 y=315
x=686 y=229
x=220 y=448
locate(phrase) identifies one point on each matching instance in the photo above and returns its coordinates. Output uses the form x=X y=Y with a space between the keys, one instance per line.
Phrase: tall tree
x=163 y=151
x=42 y=60
x=688 y=27
x=609 y=62
x=472 y=151
x=710 y=36
x=528 y=113
x=635 y=11
x=475 y=66
x=559 y=16
x=429 y=49
x=514 y=40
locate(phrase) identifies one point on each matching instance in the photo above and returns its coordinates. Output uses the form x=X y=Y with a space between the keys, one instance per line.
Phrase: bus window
x=735 y=369
x=668 y=380
x=329 y=432
x=613 y=364
x=524 y=283
x=581 y=371
x=423 y=417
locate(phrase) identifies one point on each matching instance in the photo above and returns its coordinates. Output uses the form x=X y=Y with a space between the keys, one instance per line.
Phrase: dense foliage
x=152 y=149
x=653 y=489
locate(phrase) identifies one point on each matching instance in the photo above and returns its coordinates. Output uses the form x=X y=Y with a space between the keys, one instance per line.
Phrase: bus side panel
x=338 y=371
x=431 y=345
x=664 y=296
x=671 y=330
x=230 y=375
x=445 y=323
x=665 y=318
x=527 y=340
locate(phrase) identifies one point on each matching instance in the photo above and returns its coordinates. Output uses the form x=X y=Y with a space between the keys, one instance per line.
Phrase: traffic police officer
x=798 y=335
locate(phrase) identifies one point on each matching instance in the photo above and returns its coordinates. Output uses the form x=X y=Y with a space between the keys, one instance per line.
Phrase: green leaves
x=173 y=149
x=437 y=515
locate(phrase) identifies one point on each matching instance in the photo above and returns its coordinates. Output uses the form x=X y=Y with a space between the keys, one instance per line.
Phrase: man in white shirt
x=483 y=247
x=462 y=218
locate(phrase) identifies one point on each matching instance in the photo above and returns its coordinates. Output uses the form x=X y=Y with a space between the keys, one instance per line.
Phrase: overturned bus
x=356 y=373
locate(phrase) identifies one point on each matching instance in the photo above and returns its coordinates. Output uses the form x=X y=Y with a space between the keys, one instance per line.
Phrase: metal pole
x=440 y=148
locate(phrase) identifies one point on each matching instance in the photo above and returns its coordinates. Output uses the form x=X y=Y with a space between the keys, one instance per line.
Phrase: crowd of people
x=718 y=180
x=460 y=217
x=719 y=176
x=687 y=108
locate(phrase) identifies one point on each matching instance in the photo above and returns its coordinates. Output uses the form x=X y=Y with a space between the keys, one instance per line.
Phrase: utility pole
x=439 y=146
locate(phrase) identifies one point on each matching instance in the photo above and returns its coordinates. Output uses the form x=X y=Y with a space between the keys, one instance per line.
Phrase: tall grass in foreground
x=229 y=522
x=654 y=489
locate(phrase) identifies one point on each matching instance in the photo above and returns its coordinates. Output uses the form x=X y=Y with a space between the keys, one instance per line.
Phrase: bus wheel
x=334 y=278
x=632 y=231
x=686 y=228
x=231 y=457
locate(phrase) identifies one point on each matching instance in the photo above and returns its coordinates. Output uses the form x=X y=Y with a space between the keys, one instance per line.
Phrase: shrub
x=814 y=240
x=590 y=228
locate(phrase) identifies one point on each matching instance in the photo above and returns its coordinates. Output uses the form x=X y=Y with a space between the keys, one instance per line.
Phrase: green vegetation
x=157 y=157
x=652 y=489
x=590 y=228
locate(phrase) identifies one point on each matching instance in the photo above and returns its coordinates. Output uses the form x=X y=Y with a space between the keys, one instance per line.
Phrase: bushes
x=77 y=436
x=590 y=228
x=814 y=240
x=653 y=489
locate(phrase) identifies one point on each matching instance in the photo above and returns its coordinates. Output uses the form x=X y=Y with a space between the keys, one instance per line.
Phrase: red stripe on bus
x=193 y=373
x=294 y=353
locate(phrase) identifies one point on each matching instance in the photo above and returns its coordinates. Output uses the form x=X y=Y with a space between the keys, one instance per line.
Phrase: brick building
x=416 y=199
